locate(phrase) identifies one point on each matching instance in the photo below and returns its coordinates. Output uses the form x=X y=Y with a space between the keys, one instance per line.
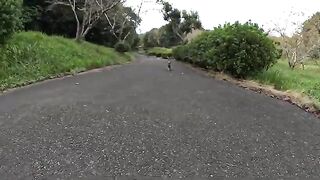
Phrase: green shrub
x=238 y=49
x=122 y=47
x=315 y=52
x=10 y=18
x=166 y=56
x=160 y=52
x=182 y=53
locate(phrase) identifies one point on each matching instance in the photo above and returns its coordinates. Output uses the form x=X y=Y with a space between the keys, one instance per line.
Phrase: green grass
x=32 y=56
x=283 y=78
x=160 y=52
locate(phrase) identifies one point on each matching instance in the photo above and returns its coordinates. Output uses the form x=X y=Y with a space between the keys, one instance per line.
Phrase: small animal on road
x=169 y=65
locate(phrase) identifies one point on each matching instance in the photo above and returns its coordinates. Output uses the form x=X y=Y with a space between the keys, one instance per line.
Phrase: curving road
x=140 y=120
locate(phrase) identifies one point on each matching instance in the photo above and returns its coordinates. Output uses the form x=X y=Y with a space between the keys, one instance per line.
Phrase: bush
x=160 y=52
x=181 y=53
x=315 y=53
x=122 y=47
x=10 y=18
x=238 y=49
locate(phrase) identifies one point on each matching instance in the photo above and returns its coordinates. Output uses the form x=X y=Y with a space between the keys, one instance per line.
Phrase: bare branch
x=90 y=10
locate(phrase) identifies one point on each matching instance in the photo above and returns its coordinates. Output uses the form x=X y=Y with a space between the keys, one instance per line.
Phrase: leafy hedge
x=238 y=49
x=160 y=52
x=122 y=47
x=10 y=18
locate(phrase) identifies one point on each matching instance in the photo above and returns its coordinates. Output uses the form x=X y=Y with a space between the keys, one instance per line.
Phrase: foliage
x=303 y=44
x=315 y=53
x=86 y=13
x=311 y=30
x=151 y=39
x=59 y=20
x=283 y=78
x=311 y=36
x=123 y=22
x=31 y=56
x=10 y=18
x=180 y=24
x=122 y=47
x=160 y=52
x=167 y=37
x=135 y=42
x=238 y=49
x=52 y=21
x=182 y=53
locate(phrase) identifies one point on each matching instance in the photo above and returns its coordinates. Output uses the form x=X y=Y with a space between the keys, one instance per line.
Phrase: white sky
x=214 y=12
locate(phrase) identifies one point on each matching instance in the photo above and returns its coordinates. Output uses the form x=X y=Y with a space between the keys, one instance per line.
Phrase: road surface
x=140 y=120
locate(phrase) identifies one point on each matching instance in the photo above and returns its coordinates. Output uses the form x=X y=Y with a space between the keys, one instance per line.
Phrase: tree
x=59 y=20
x=87 y=13
x=311 y=35
x=52 y=21
x=151 y=38
x=191 y=22
x=167 y=37
x=123 y=21
x=180 y=23
x=304 y=43
x=10 y=18
x=292 y=45
x=119 y=25
x=173 y=16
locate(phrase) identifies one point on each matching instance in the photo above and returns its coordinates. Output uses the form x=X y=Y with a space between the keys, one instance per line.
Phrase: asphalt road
x=140 y=120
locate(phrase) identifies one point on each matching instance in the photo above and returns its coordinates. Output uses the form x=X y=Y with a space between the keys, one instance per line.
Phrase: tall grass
x=283 y=78
x=32 y=56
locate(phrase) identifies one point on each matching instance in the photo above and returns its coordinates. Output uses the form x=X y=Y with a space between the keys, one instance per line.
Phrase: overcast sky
x=215 y=12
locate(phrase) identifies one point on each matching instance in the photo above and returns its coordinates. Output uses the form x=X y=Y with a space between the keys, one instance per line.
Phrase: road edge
x=294 y=98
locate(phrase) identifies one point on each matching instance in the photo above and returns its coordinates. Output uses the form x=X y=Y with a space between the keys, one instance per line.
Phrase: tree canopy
x=179 y=24
x=113 y=24
x=10 y=21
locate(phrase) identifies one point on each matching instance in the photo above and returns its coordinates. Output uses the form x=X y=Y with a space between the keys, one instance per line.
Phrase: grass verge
x=32 y=56
x=298 y=80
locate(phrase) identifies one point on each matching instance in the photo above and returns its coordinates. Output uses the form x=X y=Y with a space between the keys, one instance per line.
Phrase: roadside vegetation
x=282 y=77
x=32 y=56
x=180 y=23
x=240 y=50
x=46 y=39
x=240 y=53
x=160 y=52
x=288 y=62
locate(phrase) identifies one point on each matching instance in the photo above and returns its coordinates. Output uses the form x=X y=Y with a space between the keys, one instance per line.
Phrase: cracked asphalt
x=139 y=120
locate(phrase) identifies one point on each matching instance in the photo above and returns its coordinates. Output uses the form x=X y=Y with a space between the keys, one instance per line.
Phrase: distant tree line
x=179 y=24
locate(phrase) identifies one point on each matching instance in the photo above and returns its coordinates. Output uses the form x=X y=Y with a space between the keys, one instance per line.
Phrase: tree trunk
x=84 y=34
x=292 y=65
x=79 y=34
